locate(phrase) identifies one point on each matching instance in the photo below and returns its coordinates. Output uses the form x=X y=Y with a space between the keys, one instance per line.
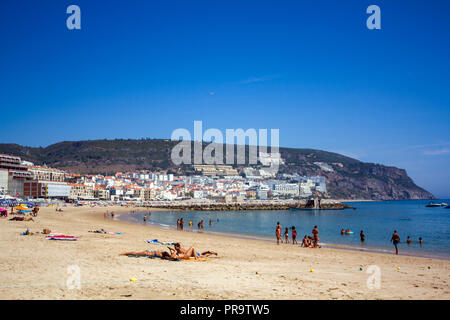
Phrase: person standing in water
x=395 y=240
x=178 y=224
x=294 y=235
x=145 y=219
x=315 y=233
x=181 y=224
x=362 y=236
x=286 y=235
x=278 y=233
x=420 y=241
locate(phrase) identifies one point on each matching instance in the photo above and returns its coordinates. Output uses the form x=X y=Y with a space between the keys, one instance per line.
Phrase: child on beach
x=286 y=235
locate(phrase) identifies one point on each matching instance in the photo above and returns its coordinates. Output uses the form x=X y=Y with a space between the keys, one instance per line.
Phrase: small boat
x=447 y=207
x=433 y=205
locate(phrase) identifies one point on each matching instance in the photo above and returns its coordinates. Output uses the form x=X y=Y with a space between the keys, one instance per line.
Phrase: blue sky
x=311 y=69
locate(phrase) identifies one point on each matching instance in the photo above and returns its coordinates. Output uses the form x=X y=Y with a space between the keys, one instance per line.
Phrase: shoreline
x=333 y=246
x=36 y=268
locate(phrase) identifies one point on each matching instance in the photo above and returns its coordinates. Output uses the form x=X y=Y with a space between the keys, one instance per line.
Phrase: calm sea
x=377 y=219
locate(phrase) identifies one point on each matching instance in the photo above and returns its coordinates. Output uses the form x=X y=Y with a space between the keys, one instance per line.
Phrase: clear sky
x=311 y=69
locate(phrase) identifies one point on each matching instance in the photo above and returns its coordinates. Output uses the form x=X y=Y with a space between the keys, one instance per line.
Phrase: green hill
x=346 y=177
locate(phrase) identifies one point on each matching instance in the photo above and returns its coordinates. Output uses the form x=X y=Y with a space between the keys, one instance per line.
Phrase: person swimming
x=408 y=240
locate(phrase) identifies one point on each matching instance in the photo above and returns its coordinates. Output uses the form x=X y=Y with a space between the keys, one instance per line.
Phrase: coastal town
x=210 y=184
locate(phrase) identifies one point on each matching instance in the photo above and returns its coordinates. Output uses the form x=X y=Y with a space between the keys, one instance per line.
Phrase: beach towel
x=193 y=259
x=61 y=237
x=155 y=241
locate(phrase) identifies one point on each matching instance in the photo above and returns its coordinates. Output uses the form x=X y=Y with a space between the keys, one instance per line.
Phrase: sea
x=378 y=220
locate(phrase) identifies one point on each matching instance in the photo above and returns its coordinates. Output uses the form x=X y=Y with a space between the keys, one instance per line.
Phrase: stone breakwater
x=253 y=205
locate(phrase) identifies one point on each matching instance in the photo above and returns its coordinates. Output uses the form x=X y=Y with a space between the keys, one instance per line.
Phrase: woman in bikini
x=294 y=235
x=286 y=235
x=181 y=253
x=278 y=233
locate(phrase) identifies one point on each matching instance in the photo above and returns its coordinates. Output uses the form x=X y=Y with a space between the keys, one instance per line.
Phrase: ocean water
x=377 y=219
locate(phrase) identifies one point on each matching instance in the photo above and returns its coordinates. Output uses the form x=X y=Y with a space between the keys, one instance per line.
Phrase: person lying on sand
x=28 y=233
x=98 y=231
x=191 y=252
x=153 y=254
x=21 y=219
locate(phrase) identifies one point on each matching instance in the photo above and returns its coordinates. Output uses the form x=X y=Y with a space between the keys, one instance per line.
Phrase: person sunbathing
x=21 y=219
x=191 y=252
x=153 y=254
x=98 y=231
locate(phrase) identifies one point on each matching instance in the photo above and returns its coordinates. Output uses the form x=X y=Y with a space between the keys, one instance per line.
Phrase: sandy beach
x=32 y=267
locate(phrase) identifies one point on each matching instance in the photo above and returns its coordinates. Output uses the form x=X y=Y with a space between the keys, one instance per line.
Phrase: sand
x=34 y=268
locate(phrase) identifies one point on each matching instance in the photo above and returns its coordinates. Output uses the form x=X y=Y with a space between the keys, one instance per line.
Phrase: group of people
x=108 y=214
x=362 y=235
x=175 y=253
x=200 y=224
x=34 y=213
x=307 y=242
x=395 y=239
x=180 y=224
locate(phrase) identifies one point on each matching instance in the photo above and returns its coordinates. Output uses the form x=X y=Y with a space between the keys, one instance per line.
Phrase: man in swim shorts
x=362 y=236
x=395 y=240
